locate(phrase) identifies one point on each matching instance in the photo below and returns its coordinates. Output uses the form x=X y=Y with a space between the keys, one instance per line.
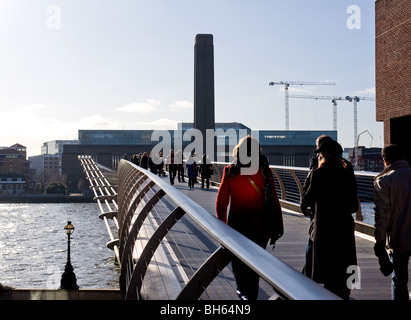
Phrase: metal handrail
x=289 y=182
x=286 y=281
x=103 y=192
x=135 y=182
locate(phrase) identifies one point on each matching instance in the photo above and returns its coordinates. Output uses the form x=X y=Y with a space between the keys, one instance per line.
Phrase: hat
x=331 y=147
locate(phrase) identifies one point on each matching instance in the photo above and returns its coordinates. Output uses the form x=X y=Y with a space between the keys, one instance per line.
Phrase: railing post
x=148 y=252
x=205 y=274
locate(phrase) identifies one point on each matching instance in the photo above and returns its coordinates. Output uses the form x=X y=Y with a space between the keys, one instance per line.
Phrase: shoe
x=241 y=296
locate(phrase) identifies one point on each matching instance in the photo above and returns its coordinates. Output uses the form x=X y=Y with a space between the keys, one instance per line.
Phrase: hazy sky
x=129 y=64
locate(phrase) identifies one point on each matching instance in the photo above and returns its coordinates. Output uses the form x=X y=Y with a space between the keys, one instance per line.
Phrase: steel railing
x=289 y=182
x=105 y=195
x=139 y=192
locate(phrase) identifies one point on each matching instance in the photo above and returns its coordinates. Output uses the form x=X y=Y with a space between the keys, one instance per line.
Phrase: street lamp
x=68 y=279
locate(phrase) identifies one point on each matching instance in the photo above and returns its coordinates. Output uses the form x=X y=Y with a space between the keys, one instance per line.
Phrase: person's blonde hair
x=246 y=142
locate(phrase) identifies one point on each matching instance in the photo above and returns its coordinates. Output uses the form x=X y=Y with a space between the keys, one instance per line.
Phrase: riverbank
x=54 y=294
x=45 y=198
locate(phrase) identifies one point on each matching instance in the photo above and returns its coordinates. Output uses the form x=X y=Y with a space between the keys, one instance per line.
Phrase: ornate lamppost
x=68 y=279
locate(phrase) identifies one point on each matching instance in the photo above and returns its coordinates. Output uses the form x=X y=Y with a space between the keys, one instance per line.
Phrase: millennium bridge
x=170 y=246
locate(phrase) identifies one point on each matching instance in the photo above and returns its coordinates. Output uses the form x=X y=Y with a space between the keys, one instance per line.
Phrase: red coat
x=247 y=206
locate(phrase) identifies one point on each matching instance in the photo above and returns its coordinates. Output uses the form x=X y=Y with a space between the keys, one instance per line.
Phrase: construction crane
x=286 y=85
x=330 y=98
x=356 y=99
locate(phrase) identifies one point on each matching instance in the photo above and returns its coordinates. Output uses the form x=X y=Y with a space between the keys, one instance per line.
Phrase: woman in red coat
x=255 y=210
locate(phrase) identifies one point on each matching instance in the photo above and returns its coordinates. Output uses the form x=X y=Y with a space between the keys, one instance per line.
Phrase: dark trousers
x=207 y=182
x=191 y=181
x=180 y=173
x=399 y=287
x=308 y=259
x=247 y=280
x=172 y=173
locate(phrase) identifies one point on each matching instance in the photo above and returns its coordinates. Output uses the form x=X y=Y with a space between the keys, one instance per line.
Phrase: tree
x=56 y=188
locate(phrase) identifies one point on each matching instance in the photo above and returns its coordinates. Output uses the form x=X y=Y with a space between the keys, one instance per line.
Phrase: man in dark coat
x=332 y=195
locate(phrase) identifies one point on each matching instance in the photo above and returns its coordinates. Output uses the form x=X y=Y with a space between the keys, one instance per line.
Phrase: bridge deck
x=291 y=247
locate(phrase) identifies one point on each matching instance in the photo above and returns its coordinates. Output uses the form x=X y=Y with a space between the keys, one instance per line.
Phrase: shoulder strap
x=254 y=185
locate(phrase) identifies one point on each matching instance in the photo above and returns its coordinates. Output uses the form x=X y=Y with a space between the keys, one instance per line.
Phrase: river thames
x=33 y=246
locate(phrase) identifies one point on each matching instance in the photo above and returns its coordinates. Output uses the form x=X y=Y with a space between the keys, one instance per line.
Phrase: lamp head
x=69 y=228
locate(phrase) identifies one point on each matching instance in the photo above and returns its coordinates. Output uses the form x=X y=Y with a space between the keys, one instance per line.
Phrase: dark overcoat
x=332 y=195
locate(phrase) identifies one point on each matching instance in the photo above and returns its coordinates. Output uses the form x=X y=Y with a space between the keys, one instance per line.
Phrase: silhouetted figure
x=205 y=171
x=332 y=195
x=255 y=210
x=392 y=198
x=192 y=170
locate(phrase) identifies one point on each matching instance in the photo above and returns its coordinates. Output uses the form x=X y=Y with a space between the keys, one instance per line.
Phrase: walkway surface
x=291 y=247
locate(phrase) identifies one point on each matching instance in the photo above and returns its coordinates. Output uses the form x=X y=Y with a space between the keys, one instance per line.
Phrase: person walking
x=255 y=210
x=332 y=196
x=180 y=166
x=171 y=166
x=205 y=171
x=152 y=162
x=192 y=169
x=392 y=199
x=307 y=211
x=160 y=165
x=144 y=161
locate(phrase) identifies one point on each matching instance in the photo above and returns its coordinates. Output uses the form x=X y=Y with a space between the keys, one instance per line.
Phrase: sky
x=67 y=65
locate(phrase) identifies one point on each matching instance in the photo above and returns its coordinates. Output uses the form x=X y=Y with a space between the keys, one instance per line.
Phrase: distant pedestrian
x=180 y=166
x=255 y=210
x=144 y=161
x=134 y=159
x=160 y=165
x=192 y=170
x=392 y=198
x=332 y=195
x=152 y=162
x=205 y=171
x=171 y=166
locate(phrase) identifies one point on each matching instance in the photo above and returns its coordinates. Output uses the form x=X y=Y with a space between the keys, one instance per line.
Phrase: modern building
x=46 y=163
x=14 y=169
x=55 y=147
x=46 y=167
x=49 y=162
x=393 y=70
x=289 y=148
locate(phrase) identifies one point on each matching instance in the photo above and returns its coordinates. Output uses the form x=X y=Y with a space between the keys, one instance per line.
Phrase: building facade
x=14 y=169
x=393 y=70
x=46 y=167
x=288 y=148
